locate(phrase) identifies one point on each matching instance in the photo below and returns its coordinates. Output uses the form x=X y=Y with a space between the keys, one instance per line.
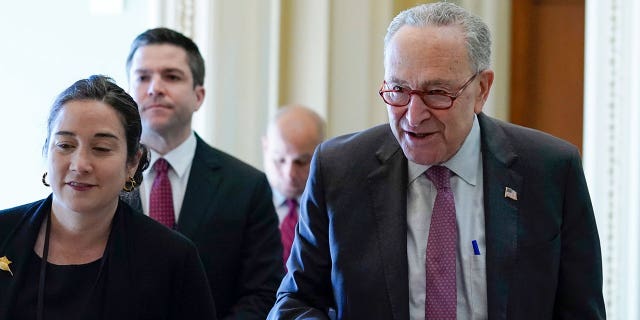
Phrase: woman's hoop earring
x=44 y=180
x=129 y=185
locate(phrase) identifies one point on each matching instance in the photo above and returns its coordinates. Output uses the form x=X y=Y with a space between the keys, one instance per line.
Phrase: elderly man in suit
x=444 y=213
x=222 y=204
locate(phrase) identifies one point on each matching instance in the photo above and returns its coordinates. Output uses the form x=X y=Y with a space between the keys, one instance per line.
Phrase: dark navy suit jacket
x=543 y=257
x=228 y=213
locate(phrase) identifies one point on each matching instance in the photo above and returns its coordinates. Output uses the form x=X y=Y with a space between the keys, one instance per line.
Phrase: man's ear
x=485 y=78
x=199 y=90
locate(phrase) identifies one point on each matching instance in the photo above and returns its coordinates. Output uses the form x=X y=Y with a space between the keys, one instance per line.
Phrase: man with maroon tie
x=288 y=145
x=219 y=202
x=444 y=212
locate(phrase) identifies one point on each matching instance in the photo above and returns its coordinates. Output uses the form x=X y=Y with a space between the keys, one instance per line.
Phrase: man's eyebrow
x=421 y=84
x=165 y=70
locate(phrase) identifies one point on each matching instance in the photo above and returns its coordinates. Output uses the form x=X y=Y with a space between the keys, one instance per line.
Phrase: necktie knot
x=292 y=204
x=439 y=175
x=161 y=166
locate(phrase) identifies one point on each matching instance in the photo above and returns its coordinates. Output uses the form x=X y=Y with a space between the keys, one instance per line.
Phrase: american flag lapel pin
x=510 y=193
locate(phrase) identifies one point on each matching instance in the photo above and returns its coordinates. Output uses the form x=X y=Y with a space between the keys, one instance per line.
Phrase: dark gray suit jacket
x=350 y=253
x=228 y=213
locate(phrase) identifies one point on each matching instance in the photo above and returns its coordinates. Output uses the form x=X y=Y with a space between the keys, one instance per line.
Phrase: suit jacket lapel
x=388 y=188
x=198 y=195
x=501 y=213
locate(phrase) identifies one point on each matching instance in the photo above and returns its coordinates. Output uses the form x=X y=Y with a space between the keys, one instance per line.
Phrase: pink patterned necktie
x=161 y=198
x=288 y=228
x=441 y=250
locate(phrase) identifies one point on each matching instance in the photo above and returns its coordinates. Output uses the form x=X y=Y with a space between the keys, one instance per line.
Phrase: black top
x=67 y=290
x=149 y=272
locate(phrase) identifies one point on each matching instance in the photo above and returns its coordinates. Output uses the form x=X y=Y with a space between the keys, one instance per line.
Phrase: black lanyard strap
x=43 y=270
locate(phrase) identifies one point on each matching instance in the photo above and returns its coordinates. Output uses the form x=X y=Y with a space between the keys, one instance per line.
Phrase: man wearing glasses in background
x=444 y=213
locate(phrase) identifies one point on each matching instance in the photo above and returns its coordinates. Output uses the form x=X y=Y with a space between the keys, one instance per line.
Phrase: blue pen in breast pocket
x=476 y=249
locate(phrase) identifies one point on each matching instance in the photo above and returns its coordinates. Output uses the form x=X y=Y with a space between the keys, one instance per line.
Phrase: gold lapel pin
x=4 y=264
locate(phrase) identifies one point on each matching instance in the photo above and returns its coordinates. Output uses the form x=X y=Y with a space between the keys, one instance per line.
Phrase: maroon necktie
x=441 y=250
x=161 y=198
x=288 y=228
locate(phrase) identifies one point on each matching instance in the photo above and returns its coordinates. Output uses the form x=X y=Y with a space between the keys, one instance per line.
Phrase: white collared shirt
x=280 y=203
x=467 y=186
x=180 y=160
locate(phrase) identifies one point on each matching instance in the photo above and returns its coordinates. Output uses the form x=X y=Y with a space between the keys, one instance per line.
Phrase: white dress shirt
x=280 y=203
x=180 y=160
x=466 y=184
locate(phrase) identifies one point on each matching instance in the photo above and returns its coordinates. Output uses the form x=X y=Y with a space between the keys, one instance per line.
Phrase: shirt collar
x=179 y=158
x=279 y=199
x=459 y=163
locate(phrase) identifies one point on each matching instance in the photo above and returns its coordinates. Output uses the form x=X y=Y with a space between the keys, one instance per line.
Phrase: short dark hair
x=103 y=89
x=168 y=36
